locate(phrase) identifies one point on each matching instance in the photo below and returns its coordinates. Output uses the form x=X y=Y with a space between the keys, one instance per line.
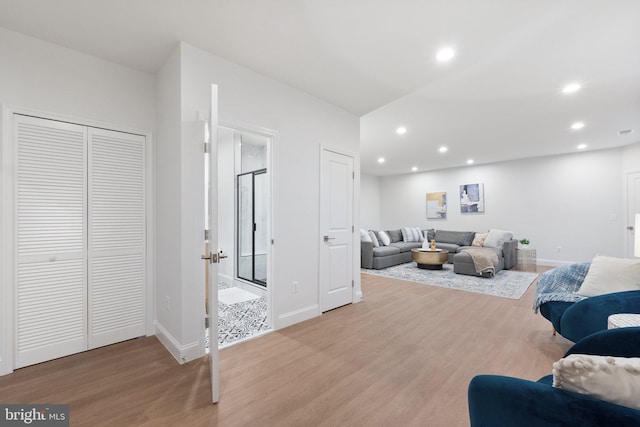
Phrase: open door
x=213 y=257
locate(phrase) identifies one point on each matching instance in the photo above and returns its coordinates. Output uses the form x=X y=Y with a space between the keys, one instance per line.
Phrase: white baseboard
x=182 y=353
x=554 y=262
x=358 y=297
x=296 y=316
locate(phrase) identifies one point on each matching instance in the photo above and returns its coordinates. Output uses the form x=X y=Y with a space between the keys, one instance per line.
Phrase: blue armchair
x=574 y=316
x=498 y=401
x=576 y=320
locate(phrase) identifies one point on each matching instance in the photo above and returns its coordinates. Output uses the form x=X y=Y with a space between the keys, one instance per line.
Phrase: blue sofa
x=498 y=401
x=572 y=316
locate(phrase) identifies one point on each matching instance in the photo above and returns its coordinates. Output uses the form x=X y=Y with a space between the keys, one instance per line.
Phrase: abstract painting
x=437 y=205
x=471 y=198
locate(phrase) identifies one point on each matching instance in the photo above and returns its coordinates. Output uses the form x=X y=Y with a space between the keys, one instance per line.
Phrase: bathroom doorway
x=244 y=233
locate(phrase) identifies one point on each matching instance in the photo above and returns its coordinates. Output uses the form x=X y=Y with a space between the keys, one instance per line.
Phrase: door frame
x=7 y=221
x=630 y=219
x=356 y=291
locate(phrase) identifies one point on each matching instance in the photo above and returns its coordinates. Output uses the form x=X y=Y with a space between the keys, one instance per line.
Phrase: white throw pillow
x=364 y=236
x=612 y=379
x=479 y=239
x=374 y=239
x=412 y=234
x=496 y=238
x=384 y=238
x=607 y=275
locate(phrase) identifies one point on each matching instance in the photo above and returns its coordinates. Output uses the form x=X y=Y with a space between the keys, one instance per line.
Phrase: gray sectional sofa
x=399 y=251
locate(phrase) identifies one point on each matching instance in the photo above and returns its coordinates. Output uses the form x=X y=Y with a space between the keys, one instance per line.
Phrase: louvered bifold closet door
x=51 y=272
x=116 y=237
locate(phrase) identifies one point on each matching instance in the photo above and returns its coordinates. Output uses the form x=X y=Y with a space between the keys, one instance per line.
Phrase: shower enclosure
x=252 y=226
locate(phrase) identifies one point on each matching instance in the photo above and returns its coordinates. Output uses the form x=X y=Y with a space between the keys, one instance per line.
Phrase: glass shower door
x=252 y=227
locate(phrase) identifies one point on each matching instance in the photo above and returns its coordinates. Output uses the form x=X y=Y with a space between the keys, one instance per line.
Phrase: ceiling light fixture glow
x=414 y=169
x=443 y=149
x=577 y=126
x=470 y=161
x=571 y=88
x=401 y=130
x=445 y=54
x=581 y=146
x=381 y=160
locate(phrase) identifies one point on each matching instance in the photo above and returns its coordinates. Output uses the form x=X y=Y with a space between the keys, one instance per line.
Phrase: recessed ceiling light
x=443 y=149
x=571 y=88
x=625 y=132
x=401 y=130
x=414 y=169
x=581 y=146
x=445 y=54
x=577 y=125
x=470 y=161
x=381 y=160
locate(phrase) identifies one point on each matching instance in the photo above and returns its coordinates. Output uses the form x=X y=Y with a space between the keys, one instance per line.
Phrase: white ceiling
x=498 y=99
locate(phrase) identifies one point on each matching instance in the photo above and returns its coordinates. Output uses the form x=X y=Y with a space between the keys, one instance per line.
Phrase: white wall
x=42 y=77
x=303 y=124
x=369 y=202
x=573 y=202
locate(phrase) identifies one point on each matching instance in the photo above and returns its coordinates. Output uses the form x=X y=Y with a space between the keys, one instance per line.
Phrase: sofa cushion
x=406 y=246
x=374 y=238
x=385 y=251
x=364 y=236
x=384 y=238
x=445 y=236
x=608 y=274
x=412 y=234
x=395 y=235
x=451 y=247
x=496 y=238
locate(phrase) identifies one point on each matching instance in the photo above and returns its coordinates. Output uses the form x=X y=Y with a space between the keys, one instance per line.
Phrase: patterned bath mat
x=506 y=283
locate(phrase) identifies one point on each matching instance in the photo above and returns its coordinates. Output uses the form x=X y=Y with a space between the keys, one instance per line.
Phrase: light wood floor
x=402 y=357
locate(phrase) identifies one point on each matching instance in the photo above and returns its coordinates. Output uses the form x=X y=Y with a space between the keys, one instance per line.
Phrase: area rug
x=506 y=283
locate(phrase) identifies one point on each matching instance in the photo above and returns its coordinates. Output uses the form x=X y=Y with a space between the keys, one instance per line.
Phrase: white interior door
x=336 y=228
x=212 y=223
x=633 y=203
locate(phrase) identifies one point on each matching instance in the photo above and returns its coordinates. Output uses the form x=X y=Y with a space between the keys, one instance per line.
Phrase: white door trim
x=7 y=221
x=630 y=219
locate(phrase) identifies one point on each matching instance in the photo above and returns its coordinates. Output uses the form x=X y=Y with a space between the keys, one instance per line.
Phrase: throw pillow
x=384 y=238
x=466 y=239
x=607 y=275
x=612 y=379
x=364 y=236
x=395 y=235
x=479 y=239
x=429 y=234
x=496 y=238
x=412 y=234
x=374 y=239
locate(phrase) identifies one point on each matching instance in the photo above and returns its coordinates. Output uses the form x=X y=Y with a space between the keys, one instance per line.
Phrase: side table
x=527 y=260
x=623 y=320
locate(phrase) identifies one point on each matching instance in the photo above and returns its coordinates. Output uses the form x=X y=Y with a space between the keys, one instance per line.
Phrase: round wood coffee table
x=430 y=260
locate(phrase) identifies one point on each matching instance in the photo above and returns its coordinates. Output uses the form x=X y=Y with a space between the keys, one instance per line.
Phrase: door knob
x=327 y=238
x=630 y=227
